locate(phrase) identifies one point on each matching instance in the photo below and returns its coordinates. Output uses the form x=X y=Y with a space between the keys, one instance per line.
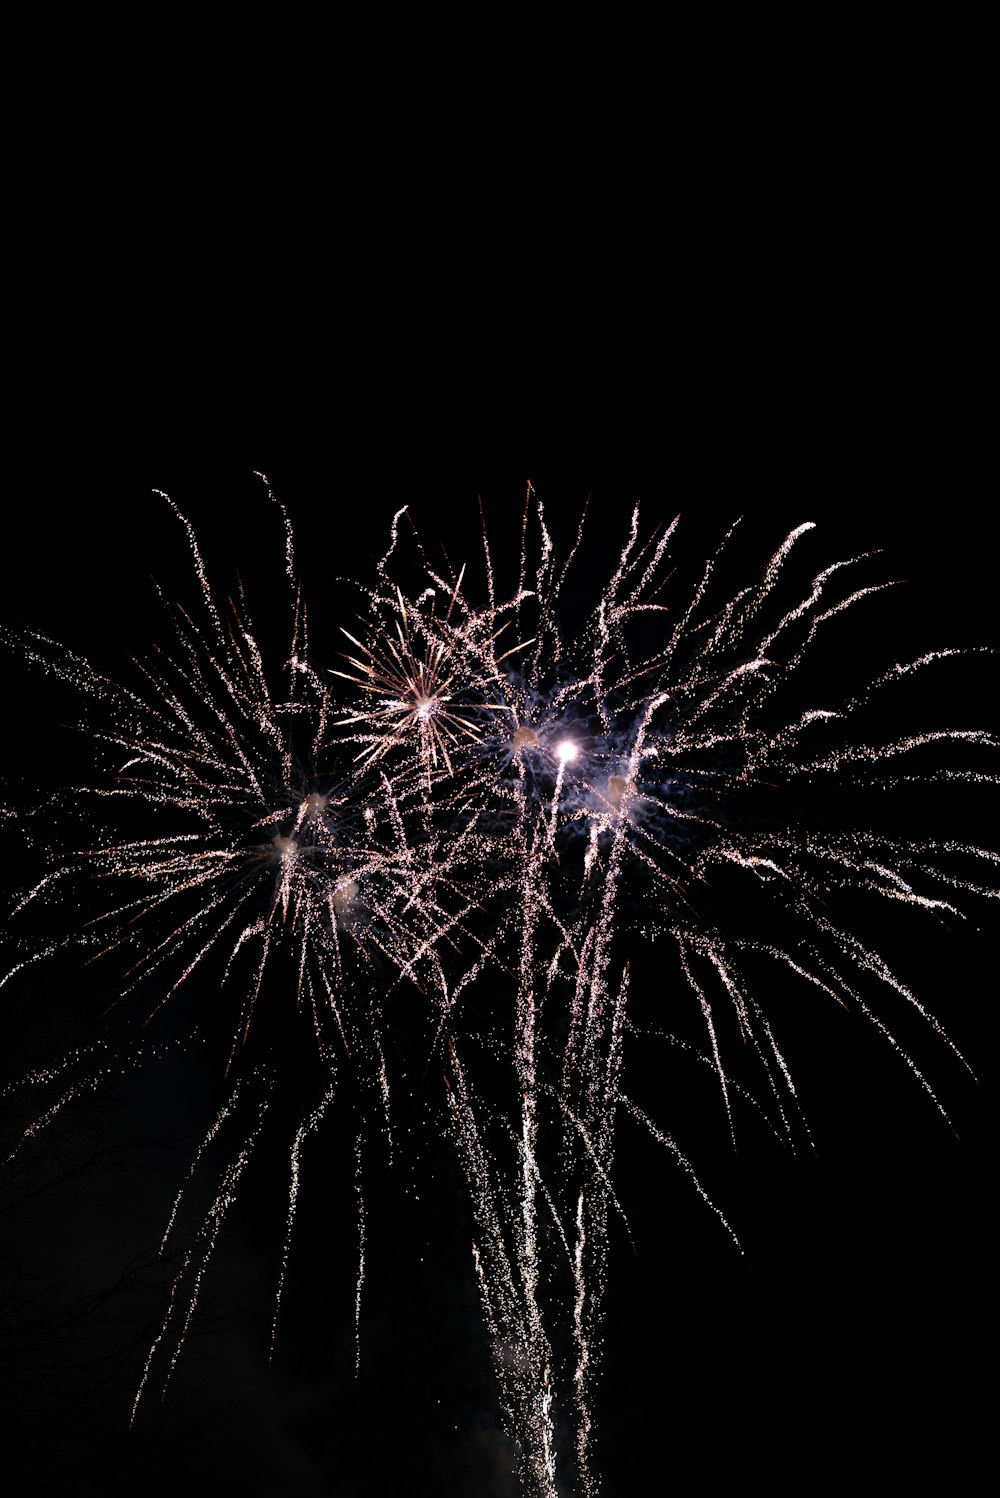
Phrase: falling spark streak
x=480 y=803
x=359 y=1285
x=197 y=1257
x=307 y=1126
x=669 y=1143
x=224 y=1113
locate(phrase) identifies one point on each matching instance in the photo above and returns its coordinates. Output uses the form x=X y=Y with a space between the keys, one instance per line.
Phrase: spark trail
x=605 y=783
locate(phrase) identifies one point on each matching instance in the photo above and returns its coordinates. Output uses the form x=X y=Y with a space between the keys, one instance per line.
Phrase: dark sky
x=731 y=285
x=845 y=1337
x=784 y=328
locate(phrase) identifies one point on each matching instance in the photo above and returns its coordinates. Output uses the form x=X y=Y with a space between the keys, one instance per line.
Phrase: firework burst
x=486 y=802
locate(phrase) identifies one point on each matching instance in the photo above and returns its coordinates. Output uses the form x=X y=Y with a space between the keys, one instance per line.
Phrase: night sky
x=786 y=333
x=844 y=1337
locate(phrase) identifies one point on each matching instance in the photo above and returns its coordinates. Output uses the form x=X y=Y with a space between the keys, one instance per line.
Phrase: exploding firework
x=474 y=799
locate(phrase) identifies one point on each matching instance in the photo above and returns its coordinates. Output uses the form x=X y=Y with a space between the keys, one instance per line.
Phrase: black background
x=789 y=338
x=848 y=1329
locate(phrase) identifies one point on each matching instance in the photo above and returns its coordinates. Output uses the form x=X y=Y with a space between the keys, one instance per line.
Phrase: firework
x=473 y=800
x=228 y=848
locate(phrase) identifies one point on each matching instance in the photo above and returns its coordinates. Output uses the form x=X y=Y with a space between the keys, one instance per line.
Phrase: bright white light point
x=566 y=751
